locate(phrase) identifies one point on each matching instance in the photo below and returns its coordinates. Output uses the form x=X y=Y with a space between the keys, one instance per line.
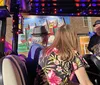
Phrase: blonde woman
x=61 y=59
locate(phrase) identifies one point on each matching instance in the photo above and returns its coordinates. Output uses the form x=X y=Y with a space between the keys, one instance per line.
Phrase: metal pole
x=15 y=30
x=2 y=35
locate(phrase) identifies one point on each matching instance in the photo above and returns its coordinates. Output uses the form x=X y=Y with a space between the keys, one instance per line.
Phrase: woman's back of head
x=66 y=42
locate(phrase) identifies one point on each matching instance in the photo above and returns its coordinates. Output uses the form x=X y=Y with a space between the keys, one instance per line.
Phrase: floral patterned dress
x=53 y=71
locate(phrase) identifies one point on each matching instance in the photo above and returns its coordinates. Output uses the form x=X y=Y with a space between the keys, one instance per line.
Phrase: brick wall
x=78 y=24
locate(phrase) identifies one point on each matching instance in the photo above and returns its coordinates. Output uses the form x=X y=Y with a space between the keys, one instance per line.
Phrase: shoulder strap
x=32 y=66
x=36 y=56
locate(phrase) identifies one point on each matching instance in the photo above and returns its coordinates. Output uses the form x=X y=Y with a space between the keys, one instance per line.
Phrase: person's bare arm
x=82 y=76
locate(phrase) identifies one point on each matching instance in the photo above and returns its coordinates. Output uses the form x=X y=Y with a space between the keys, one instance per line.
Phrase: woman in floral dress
x=60 y=60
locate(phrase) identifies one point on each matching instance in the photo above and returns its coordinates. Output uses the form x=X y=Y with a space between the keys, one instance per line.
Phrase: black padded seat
x=96 y=61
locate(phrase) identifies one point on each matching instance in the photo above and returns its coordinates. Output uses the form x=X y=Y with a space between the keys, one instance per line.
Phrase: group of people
x=59 y=60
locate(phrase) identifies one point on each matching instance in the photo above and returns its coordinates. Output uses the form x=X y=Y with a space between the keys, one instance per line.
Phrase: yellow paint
x=1 y=2
x=84 y=40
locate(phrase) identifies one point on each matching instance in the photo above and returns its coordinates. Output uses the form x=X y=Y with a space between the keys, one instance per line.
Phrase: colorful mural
x=51 y=24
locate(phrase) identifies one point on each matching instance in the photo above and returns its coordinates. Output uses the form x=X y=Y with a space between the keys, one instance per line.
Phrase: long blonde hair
x=66 y=42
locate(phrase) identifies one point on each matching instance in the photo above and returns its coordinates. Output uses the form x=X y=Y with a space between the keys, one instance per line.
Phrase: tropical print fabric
x=53 y=71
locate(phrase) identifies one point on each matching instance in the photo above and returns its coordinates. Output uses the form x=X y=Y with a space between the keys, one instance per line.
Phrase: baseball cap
x=96 y=22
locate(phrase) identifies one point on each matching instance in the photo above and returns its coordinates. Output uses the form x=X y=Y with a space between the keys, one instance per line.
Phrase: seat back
x=96 y=62
x=91 y=65
x=13 y=71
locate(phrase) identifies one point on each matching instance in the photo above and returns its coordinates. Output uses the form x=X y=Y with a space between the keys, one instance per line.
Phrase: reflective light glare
x=94 y=0
x=83 y=5
x=54 y=4
x=55 y=12
x=43 y=4
x=54 y=0
x=37 y=4
x=2 y=39
x=42 y=0
x=17 y=32
x=90 y=12
x=55 y=9
x=98 y=4
x=95 y=12
x=37 y=10
x=78 y=14
x=36 y=0
x=60 y=10
x=93 y=4
x=72 y=14
x=31 y=0
x=31 y=4
x=48 y=4
x=77 y=4
x=77 y=0
x=42 y=8
x=42 y=11
x=84 y=13
x=83 y=0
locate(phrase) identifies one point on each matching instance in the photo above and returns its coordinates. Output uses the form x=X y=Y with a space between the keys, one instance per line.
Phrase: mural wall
x=51 y=23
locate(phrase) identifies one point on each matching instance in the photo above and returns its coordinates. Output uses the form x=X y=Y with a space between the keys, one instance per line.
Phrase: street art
x=51 y=23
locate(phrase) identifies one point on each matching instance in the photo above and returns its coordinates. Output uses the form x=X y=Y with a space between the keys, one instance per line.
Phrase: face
x=45 y=39
x=97 y=29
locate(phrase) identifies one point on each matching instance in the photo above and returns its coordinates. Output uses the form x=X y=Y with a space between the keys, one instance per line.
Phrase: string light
x=55 y=9
x=36 y=0
x=2 y=40
x=54 y=0
x=37 y=4
x=77 y=0
x=98 y=4
x=17 y=33
x=43 y=12
x=83 y=5
x=77 y=4
x=90 y=12
x=55 y=12
x=43 y=4
x=94 y=0
x=93 y=4
x=42 y=0
x=54 y=4
x=83 y=0
x=42 y=8
x=48 y=4
x=78 y=14
x=60 y=10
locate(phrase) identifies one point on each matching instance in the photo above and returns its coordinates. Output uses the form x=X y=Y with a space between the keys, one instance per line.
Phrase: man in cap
x=94 y=43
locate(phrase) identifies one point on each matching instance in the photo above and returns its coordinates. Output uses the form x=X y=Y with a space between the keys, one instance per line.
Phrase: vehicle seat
x=13 y=71
x=96 y=61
